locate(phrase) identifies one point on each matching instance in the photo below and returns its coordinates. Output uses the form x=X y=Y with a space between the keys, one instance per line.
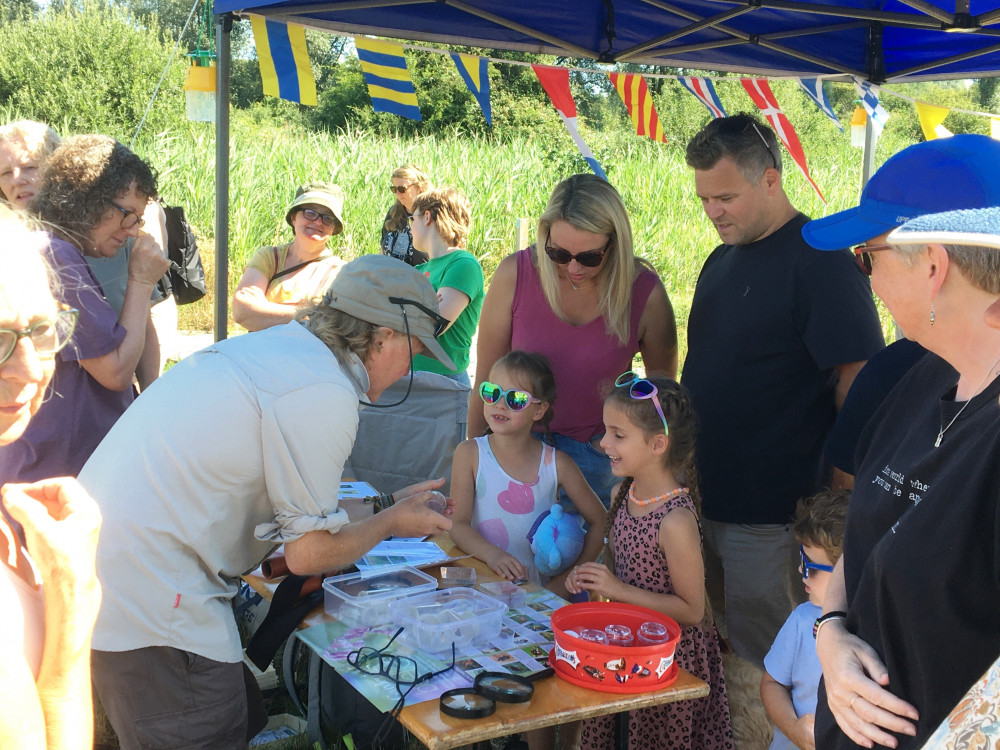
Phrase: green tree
x=89 y=68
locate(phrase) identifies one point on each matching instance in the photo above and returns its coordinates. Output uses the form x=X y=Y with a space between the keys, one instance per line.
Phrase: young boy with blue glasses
x=792 y=670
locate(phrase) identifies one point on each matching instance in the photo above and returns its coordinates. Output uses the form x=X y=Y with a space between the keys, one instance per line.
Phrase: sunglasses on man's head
x=808 y=564
x=639 y=389
x=588 y=258
x=863 y=254
x=400 y=189
x=516 y=400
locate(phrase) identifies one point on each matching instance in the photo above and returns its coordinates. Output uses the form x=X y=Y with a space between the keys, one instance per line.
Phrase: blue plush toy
x=556 y=538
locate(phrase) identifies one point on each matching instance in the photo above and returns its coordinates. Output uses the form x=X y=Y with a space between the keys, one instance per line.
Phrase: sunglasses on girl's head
x=640 y=388
x=863 y=254
x=589 y=258
x=398 y=188
x=808 y=564
x=516 y=400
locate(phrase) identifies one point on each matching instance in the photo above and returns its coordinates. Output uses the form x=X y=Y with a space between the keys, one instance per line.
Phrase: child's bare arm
x=463 y=491
x=777 y=699
x=680 y=542
x=589 y=506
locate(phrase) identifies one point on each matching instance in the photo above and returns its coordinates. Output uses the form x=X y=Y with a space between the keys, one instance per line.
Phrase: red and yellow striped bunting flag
x=632 y=88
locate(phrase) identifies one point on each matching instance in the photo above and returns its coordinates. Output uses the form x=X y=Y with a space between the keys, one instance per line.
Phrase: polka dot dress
x=701 y=724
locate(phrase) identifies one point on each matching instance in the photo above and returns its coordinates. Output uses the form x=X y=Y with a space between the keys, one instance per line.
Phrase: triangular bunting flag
x=555 y=81
x=876 y=112
x=285 y=71
x=931 y=117
x=760 y=92
x=814 y=89
x=704 y=90
x=475 y=73
x=634 y=92
x=388 y=78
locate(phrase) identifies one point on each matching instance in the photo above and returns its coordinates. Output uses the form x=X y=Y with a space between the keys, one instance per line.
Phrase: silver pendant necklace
x=979 y=388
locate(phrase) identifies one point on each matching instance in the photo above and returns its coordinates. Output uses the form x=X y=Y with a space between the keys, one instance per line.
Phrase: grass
x=503 y=182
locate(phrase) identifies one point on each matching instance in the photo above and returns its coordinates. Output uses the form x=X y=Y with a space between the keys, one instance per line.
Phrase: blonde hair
x=39 y=139
x=450 y=210
x=23 y=261
x=396 y=220
x=591 y=204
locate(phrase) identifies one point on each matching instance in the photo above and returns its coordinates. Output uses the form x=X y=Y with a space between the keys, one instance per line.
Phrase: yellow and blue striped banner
x=285 y=70
x=388 y=78
x=474 y=71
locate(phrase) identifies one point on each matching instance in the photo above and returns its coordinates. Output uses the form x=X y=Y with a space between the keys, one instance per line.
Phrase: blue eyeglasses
x=808 y=564
x=640 y=388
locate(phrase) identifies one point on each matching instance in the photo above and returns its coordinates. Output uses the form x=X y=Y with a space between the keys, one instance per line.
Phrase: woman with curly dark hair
x=92 y=197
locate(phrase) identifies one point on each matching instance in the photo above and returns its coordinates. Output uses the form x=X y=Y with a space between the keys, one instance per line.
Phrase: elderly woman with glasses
x=279 y=279
x=408 y=181
x=91 y=198
x=48 y=532
x=912 y=611
x=580 y=297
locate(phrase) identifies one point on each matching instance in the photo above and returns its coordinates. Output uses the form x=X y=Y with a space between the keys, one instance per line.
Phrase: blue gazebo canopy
x=893 y=41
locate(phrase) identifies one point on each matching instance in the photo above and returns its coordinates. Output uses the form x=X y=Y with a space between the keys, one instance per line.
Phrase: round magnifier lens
x=504 y=687
x=466 y=703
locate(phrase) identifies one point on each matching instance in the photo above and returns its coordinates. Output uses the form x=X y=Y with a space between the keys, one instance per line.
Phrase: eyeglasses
x=589 y=258
x=47 y=336
x=516 y=400
x=730 y=126
x=440 y=323
x=808 y=564
x=863 y=254
x=129 y=218
x=312 y=214
x=400 y=189
x=774 y=160
x=640 y=388
x=402 y=670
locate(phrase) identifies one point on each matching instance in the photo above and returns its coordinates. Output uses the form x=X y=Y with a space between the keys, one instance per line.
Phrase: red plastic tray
x=612 y=669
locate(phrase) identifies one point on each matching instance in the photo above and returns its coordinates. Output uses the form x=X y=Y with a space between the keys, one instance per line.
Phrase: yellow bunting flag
x=931 y=116
x=995 y=128
x=635 y=94
x=285 y=70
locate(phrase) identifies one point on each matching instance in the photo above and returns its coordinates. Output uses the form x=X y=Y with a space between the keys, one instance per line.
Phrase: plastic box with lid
x=364 y=598
x=435 y=620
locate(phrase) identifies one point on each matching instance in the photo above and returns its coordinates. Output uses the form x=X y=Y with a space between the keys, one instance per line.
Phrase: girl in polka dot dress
x=502 y=482
x=655 y=535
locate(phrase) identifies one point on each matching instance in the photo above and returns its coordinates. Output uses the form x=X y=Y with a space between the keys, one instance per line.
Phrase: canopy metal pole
x=868 y=159
x=224 y=26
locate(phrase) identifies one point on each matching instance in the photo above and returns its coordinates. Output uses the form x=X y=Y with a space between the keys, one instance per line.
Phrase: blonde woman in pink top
x=580 y=297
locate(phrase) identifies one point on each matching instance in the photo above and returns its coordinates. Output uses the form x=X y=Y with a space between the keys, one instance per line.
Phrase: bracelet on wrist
x=824 y=619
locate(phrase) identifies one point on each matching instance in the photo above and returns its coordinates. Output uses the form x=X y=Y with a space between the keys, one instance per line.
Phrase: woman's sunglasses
x=400 y=189
x=863 y=254
x=589 y=258
x=808 y=564
x=640 y=388
x=491 y=393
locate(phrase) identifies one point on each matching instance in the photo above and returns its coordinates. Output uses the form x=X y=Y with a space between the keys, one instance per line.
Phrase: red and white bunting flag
x=555 y=81
x=760 y=92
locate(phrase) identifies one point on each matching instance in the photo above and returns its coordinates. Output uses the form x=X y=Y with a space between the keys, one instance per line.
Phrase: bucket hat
x=324 y=194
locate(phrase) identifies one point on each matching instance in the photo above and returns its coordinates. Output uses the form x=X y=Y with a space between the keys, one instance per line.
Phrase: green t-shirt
x=459 y=270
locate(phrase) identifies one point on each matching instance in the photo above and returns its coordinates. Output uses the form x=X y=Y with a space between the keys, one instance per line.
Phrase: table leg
x=621 y=731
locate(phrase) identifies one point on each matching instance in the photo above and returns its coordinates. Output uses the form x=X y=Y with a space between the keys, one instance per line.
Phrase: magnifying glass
x=488 y=689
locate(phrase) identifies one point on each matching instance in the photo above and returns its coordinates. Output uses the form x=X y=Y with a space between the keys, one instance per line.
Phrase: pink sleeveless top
x=584 y=358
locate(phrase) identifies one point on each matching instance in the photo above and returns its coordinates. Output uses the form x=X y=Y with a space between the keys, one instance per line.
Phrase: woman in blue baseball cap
x=912 y=612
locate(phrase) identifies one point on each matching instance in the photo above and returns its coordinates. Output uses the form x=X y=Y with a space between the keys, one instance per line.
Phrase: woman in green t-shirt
x=439 y=223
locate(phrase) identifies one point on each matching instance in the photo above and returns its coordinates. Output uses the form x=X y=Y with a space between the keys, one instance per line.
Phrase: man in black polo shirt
x=776 y=334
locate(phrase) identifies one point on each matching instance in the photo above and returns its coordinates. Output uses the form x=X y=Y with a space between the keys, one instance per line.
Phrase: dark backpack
x=186 y=277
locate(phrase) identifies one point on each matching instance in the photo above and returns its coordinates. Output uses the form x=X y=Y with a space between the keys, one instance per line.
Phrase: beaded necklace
x=665 y=496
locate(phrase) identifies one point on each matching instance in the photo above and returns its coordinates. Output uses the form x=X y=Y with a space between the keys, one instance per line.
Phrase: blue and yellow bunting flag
x=388 y=78
x=474 y=71
x=285 y=70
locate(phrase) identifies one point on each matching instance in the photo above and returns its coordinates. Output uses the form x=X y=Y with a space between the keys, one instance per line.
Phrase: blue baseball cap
x=979 y=227
x=945 y=174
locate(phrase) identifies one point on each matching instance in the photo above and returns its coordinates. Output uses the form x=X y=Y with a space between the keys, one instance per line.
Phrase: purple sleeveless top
x=583 y=358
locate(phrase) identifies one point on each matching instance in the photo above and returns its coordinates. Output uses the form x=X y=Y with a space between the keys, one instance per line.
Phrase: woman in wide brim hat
x=279 y=279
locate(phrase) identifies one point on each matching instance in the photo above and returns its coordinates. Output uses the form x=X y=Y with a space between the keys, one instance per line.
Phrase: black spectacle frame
x=312 y=214
x=47 y=336
x=376 y=662
x=399 y=190
x=440 y=323
x=129 y=218
x=588 y=258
